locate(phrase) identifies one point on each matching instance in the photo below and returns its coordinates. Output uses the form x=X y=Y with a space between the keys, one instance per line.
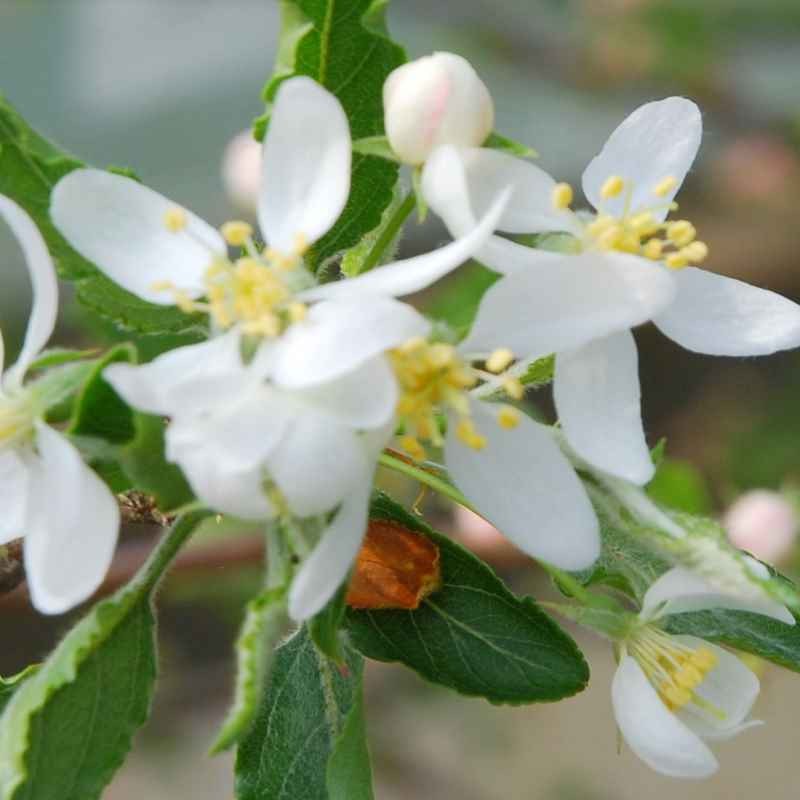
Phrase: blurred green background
x=163 y=85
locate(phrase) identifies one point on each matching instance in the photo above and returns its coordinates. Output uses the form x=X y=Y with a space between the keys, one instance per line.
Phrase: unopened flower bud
x=435 y=100
x=764 y=523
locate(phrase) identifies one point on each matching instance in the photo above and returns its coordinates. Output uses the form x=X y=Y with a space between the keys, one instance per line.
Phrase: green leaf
x=9 y=685
x=375 y=146
x=30 y=167
x=144 y=461
x=265 y=621
x=349 y=775
x=498 y=142
x=306 y=717
x=58 y=356
x=539 y=373
x=473 y=635
x=344 y=46
x=68 y=727
x=753 y=633
x=680 y=485
x=324 y=626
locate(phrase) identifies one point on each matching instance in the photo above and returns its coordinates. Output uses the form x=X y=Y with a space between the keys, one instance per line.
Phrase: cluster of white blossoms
x=284 y=410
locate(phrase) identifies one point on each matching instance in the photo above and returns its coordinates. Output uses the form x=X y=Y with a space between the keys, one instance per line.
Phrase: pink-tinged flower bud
x=764 y=523
x=432 y=101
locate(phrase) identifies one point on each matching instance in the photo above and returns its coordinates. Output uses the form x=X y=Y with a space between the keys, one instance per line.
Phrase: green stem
x=278 y=556
x=573 y=585
x=172 y=541
x=389 y=232
x=427 y=478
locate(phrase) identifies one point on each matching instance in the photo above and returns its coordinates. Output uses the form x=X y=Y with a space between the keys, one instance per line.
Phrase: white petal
x=326 y=568
x=598 y=400
x=118 y=224
x=179 y=377
x=338 y=336
x=568 y=303
x=523 y=484
x=43 y=281
x=414 y=274
x=655 y=734
x=725 y=317
x=71 y=527
x=460 y=185
x=680 y=590
x=364 y=398
x=730 y=687
x=14 y=483
x=239 y=493
x=306 y=165
x=657 y=141
x=316 y=464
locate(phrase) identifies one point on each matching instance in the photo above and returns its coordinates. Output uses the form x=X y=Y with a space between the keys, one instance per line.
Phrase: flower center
x=434 y=378
x=674 y=669
x=638 y=230
x=16 y=419
x=255 y=290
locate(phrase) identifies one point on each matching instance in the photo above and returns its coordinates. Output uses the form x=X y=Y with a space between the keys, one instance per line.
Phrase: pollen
x=175 y=219
x=237 y=233
x=508 y=417
x=612 y=187
x=513 y=388
x=681 y=232
x=562 y=196
x=665 y=186
x=499 y=360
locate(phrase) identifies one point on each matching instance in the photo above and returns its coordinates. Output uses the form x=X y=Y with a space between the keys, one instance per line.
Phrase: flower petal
x=71 y=526
x=239 y=493
x=659 y=140
x=567 y=304
x=460 y=185
x=316 y=464
x=338 y=336
x=680 y=591
x=522 y=483
x=731 y=688
x=118 y=224
x=364 y=398
x=414 y=274
x=306 y=165
x=726 y=317
x=598 y=400
x=655 y=734
x=179 y=377
x=14 y=483
x=43 y=281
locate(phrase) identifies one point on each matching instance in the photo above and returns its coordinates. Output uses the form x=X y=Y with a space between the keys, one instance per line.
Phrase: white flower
x=435 y=100
x=67 y=515
x=582 y=305
x=671 y=694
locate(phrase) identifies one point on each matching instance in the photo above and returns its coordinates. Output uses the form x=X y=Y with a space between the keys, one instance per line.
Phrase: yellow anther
x=412 y=446
x=665 y=186
x=465 y=430
x=675 y=696
x=612 y=187
x=508 y=417
x=175 y=219
x=562 y=196
x=301 y=244
x=696 y=252
x=653 y=249
x=644 y=224
x=440 y=356
x=297 y=311
x=688 y=676
x=676 y=261
x=611 y=237
x=499 y=360
x=704 y=659
x=236 y=233
x=681 y=232
x=514 y=388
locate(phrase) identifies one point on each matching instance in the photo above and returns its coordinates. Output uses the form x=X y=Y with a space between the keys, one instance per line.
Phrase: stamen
x=612 y=187
x=696 y=252
x=236 y=233
x=499 y=360
x=412 y=446
x=562 y=196
x=175 y=219
x=676 y=260
x=665 y=186
x=514 y=388
x=297 y=311
x=508 y=417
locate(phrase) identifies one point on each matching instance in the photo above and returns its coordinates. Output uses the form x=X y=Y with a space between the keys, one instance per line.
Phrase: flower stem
x=388 y=233
x=425 y=477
